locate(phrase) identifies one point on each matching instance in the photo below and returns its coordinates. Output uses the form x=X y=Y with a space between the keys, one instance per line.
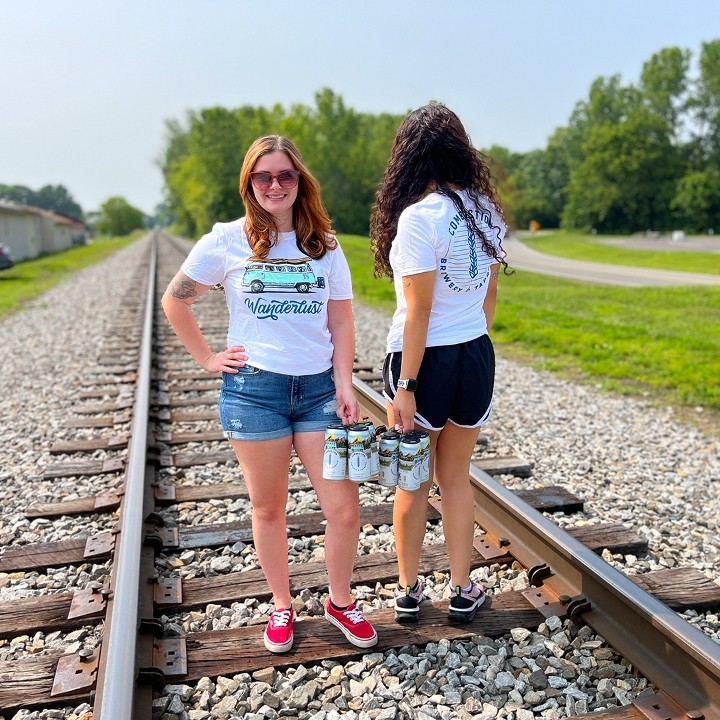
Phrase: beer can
x=336 y=452
x=424 y=438
x=359 y=453
x=409 y=462
x=388 y=455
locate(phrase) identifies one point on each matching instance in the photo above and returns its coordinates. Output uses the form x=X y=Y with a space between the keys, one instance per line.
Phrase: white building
x=30 y=231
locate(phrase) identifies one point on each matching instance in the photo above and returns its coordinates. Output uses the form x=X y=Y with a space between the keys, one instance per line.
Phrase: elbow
x=168 y=303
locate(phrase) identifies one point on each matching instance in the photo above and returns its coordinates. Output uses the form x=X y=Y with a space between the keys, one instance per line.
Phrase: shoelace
x=354 y=616
x=281 y=618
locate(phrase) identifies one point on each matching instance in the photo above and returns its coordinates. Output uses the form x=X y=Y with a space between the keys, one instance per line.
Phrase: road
x=522 y=257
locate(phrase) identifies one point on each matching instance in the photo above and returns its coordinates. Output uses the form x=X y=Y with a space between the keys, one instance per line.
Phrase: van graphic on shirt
x=280 y=274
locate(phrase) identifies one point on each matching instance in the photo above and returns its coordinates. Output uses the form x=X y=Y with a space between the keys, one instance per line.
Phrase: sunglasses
x=286 y=179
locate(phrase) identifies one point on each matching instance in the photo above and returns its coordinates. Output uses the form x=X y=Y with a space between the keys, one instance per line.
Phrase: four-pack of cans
x=361 y=453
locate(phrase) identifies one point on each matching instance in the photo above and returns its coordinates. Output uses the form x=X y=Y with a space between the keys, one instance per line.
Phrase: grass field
x=662 y=343
x=27 y=280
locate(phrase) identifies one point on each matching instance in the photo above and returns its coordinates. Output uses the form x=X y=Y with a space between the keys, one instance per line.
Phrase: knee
x=269 y=514
x=344 y=517
x=453 y=485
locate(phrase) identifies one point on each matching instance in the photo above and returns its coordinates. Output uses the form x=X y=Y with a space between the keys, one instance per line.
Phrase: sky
x=86 y=87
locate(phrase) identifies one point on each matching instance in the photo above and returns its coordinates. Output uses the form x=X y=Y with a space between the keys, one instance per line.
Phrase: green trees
x=49 y=197
x=117 y=217
x=632 y=157
x=344 y=149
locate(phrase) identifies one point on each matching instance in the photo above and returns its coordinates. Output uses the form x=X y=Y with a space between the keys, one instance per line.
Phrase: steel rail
x=677 y=657
x=117 y=676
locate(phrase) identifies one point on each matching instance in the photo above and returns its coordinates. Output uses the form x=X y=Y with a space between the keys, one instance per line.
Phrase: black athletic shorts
x=455 y=383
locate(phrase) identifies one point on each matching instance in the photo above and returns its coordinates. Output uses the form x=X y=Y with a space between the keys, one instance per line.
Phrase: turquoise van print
x=282 y=274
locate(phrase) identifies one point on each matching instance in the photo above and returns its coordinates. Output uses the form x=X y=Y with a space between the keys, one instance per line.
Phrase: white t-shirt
x=278 y=306
x=432 y=235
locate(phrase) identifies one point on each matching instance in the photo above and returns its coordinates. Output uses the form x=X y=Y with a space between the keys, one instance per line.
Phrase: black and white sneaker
x=463 y=604
x=407 y=603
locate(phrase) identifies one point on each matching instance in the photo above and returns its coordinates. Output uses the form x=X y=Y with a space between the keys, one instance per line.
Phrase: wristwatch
x=409 y=385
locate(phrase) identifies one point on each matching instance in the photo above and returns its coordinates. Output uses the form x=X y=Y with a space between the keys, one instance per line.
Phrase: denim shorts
x=261 y=405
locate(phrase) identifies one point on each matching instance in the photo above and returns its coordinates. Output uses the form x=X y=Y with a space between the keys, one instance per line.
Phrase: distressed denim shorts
x=261 y=405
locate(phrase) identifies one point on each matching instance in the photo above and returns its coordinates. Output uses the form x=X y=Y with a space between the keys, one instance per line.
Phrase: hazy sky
x=86 y=86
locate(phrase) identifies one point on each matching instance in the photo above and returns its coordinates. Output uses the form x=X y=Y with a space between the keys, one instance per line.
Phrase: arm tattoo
x=183 y=289
x=495 y=274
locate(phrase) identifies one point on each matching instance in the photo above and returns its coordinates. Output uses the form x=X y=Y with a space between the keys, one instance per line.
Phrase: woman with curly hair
x=287 y=367
x=436 y=229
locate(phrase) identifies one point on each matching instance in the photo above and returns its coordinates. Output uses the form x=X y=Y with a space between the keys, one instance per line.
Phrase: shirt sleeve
x=415 y=244
x=206 y=262
x=340 y=280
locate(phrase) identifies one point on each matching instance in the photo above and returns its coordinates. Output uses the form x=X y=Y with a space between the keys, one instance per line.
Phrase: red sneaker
x=352 y=624
x=279 y=631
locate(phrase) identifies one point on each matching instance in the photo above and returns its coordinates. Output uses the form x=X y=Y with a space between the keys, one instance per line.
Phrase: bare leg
x=340 y=505
x=265 y=468
x=410 y=519
x=452 y=468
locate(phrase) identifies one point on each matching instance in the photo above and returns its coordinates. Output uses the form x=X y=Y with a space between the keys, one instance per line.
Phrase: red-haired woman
x=287 y=367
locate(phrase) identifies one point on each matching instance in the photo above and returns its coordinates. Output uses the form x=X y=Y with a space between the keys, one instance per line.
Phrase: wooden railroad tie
x=31 y=681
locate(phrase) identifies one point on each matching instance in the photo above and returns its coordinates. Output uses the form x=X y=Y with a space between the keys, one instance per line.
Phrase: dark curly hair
x=431 y=152
x=312 y=222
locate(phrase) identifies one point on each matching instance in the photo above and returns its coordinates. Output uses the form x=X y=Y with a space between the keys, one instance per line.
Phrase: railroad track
x=167 y=528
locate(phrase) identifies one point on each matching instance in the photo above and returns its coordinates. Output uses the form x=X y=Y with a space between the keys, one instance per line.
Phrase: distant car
x=6 y=261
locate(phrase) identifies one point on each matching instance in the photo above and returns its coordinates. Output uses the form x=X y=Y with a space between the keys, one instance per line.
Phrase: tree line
x=631 y=158
x=49 y=197
x=345 y=150
x=115 y=217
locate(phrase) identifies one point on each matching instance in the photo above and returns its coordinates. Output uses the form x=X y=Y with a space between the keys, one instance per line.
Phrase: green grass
x=27 y=280
x=662 y=343
x=597 y=249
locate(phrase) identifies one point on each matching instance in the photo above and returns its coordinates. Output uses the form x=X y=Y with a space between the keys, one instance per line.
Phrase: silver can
x=336 y=452
x=424 y=438
x=410 y=463
x=388 y=455
x=359 y=453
